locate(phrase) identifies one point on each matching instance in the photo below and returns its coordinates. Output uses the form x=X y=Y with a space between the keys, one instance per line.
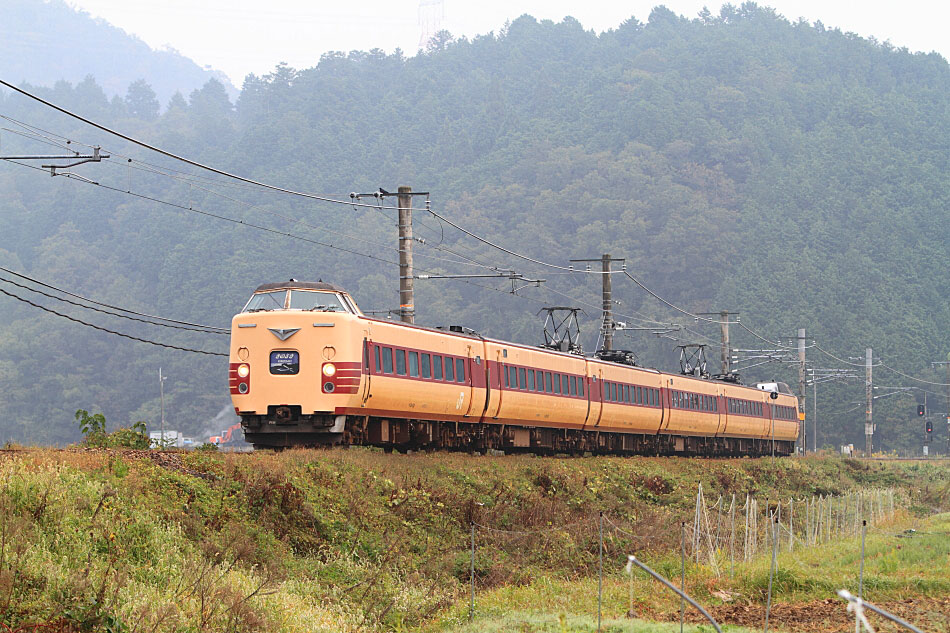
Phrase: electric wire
x=115 y=314
x=841 y=360
x=926 y=382
x=183 y=159
x=106 y=305
x=108 y=331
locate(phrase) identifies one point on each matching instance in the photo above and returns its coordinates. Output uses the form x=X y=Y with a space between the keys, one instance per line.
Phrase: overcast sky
x=245 y=36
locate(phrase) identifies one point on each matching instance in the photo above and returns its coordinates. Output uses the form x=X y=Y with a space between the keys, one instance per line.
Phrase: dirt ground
x=931 y=615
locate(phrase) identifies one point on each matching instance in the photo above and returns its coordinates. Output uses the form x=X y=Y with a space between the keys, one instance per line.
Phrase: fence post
x=600 y=571
x=768 y=604
x=471 y=608
x=732 y=537
x=682 y=572
x=791 y=525
x=864 y=531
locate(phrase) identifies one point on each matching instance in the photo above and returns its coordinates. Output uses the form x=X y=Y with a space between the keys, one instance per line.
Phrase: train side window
x=379 y=365
x=401 y=362
x=414 y=364
x=548 y=384
x=459 y=370
x=387 y=360
x=522 y=378
x=449 y=369
x=556 y=378
x=616 y=391
x=507 y=376
x=437 y=367
x=580 y=386
x=425 y=364
x=530 y=380
x=573 y=385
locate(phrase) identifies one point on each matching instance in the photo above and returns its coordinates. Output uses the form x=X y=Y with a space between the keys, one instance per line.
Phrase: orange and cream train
x=308 y=368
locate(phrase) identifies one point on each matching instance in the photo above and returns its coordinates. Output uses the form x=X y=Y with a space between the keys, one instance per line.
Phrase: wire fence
x=720 y=533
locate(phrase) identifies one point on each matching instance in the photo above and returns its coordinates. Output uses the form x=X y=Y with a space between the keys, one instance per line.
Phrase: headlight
x=243 y=370
x=329 y=370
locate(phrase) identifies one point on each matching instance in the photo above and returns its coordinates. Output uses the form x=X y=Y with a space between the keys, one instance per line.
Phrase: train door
x=367 y=374
x=494 y=372
x=721 y=411
x=597 y=397
x=467 y=388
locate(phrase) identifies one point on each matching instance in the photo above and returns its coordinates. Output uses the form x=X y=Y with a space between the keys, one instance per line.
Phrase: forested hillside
x=796 y=174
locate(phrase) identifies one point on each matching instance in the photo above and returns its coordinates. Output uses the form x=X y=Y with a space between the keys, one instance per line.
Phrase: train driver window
x=425 y=365
x=437 y=367
x=449 y=369
x=316 y=301
x=522 y=378
x=401 y=362
x=414 y=364
x=387 y=360
x=379 y=366
x=459 y=370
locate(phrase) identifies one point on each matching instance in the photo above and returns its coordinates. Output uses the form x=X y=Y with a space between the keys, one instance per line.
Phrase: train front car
x=296 y=353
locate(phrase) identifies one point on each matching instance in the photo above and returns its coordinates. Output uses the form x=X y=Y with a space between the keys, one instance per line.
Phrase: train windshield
x=266 y=301
x=316 y=301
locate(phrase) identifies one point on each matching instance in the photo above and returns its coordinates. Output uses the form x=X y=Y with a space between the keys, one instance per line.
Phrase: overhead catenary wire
x=115 y=314
x=107 y=330
x=169 y=154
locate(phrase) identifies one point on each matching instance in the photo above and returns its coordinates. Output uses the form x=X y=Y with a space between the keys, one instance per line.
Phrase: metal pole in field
x=682 y=572
x=864 y=532
x=768 y=604
x=814 y=416
x=161 y=387
x=471 y=608
x=801 y=382
x=407 y=308
x=868 y=424
x=600 y=571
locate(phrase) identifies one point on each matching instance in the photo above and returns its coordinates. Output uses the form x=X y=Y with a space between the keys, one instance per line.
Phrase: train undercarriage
x=422 y=435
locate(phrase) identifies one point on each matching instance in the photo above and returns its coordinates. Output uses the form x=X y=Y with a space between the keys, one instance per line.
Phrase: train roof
x=293 y=284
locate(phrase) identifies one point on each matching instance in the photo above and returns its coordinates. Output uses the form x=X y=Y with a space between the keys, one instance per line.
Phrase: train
x=308 y=368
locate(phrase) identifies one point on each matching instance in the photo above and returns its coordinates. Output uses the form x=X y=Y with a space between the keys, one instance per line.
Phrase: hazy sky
x=244 y=36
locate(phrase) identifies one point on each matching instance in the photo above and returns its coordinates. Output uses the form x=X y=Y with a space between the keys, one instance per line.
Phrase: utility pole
x=161 y=387
x=801 y=385
x=725 y=352
x=605 y=261
x=407 y=308
x=868 y=424
x=946 y=364
x=608 y=303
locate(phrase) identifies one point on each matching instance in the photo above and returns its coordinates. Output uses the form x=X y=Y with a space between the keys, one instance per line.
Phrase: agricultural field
x=358 y=540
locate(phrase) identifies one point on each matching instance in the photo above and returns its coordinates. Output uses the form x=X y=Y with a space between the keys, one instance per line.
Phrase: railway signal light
x=930 y=426
x=921 y=410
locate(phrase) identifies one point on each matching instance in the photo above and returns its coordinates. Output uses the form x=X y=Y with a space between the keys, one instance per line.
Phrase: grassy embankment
x=362 y=541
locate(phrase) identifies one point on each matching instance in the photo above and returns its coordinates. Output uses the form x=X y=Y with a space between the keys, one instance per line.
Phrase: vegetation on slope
x=362 y=541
